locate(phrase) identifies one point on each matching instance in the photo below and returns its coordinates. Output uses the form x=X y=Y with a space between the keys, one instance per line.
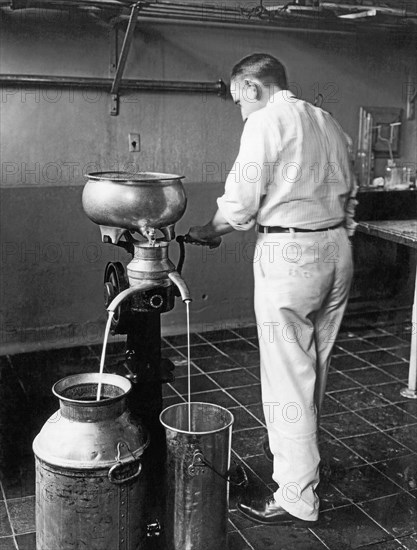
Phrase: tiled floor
x=368 y=434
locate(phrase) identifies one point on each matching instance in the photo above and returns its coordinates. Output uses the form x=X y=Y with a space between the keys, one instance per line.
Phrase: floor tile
x=391 y=391
x=331 y=406
x=233 y=378
x=22 y=514
x=339 y=457
x=355 y=345
x=5 y=528
x=199 y=383
x=236 y=542
x=376 y=447
x=246 y=358
x=397 y=513
x=330 y=496
x=387 y=490
x=410 y=543
x=233 y=346
x=378 y=358
x=243 y=419
x=199 y=350
x=254 y=371
x=254 y=341
x=261 y=466
x=409 y=406
x=397 y=370
x=347 y=362
x=219 y=335
x=337 y=381
x=7 y=543
x=181 y=369
x=248 y=442
x=239 y=520
x=358 y=398
x=257 y=410
x=346 y=424
x=348 y=527
x=181 y=339
x=403 y=352
x=385 y=342
x=168 y=391
x=26 y=542
x=365 y=483
x=369 y=376
x=218 y=397
x=247 y=395
x=14 y=414
x=172 y=400
x=389 y=545
x=214 y=364
x=279 y=538
x=406 y=435
x=247 y=332
x=389 y=416
x=22 y=482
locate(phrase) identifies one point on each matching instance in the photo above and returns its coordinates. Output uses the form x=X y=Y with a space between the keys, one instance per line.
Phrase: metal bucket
x=198 y=462
x=89 y=492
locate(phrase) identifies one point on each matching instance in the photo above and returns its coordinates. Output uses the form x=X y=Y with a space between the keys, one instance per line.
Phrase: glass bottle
x=393 y=175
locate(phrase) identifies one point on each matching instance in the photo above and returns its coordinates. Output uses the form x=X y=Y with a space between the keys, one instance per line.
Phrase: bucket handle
x=119 y=464
x=199 y=460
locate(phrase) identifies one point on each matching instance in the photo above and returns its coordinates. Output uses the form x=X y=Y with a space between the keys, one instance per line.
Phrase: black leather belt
x=278 y=229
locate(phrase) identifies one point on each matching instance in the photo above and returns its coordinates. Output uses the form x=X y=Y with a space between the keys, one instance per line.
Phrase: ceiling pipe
x=220 y=12
x=219 y=87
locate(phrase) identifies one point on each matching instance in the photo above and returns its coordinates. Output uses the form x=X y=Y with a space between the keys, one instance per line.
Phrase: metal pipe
x=223 y=16
x=125 y=294
x=259 y=25
x=218 y=87
x=181 y=285
x=125 y=48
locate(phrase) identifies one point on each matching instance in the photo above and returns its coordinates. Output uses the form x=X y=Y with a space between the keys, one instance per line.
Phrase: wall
x=52 y=260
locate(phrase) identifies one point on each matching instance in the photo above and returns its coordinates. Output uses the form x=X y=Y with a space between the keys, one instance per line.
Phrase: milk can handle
x=199 y=460
x=126 y=479
x=119 y=463
x=228 y=476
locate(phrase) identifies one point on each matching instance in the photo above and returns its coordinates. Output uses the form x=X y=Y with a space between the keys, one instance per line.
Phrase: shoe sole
x=295 y=521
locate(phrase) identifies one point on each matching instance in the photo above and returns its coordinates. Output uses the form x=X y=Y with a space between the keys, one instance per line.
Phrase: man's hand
x=200 y=235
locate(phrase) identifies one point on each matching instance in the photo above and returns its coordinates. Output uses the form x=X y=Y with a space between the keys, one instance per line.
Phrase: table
x=401 y=232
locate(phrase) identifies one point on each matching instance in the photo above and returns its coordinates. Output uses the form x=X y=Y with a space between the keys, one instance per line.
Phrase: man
x=292 y=179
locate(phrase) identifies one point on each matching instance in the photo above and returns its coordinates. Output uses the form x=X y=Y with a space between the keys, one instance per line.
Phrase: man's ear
x=253 y=91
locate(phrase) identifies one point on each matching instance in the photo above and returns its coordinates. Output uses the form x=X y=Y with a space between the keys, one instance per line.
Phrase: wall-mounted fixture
x=384 y=133
x=378 y=137
x=410 y=94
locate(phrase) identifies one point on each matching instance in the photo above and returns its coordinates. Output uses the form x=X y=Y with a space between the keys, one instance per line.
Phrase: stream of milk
x=103 y=354
x=189 y=364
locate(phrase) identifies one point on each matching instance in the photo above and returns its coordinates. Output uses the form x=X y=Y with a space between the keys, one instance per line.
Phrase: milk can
x=89 y=488
x=198 y=460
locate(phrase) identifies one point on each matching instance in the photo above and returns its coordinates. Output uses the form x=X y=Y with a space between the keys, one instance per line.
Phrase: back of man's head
x=263 y=67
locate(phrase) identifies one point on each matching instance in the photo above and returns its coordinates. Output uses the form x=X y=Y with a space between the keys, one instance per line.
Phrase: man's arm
x=246 y=183
x=211 y=232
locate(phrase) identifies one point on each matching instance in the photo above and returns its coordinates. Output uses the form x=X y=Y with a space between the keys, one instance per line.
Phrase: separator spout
x=125 y=294
x=181 y=285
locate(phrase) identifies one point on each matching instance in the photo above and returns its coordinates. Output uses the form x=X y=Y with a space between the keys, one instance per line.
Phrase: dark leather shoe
x=266 y=449
x=268 y=512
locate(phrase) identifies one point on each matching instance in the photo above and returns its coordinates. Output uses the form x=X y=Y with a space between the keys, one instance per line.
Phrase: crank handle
x=211 y=244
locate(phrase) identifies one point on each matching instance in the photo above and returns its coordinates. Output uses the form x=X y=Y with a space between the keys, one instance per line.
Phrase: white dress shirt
x=292 y=170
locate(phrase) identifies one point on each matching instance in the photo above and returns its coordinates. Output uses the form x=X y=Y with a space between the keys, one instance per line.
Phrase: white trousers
x=302 y=283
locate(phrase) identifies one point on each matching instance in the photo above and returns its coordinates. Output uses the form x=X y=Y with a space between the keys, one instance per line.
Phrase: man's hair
x=262 y=66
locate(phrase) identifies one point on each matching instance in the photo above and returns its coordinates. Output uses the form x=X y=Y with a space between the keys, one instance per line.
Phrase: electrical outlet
x=134 y=143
